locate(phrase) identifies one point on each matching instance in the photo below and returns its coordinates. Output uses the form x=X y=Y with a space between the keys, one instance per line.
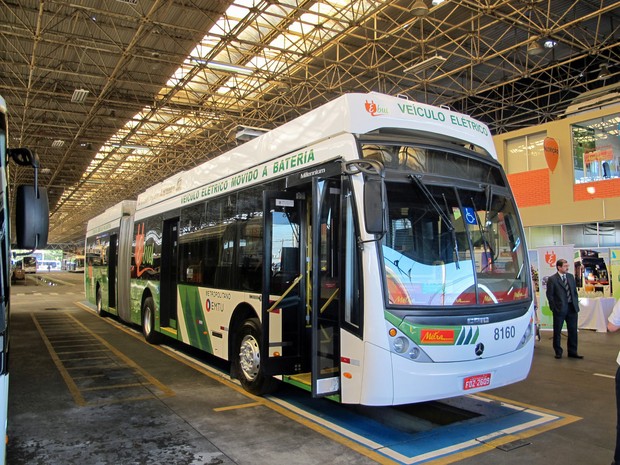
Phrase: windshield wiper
x=485 y=243
x=446 y=219
x=442 y=214
x=488 y=191
x=396 y=263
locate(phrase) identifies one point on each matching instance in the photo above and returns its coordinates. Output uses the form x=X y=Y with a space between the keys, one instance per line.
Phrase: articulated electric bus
x=31 y=225
x=29 y=264
x=369 y=251
x=76 y=264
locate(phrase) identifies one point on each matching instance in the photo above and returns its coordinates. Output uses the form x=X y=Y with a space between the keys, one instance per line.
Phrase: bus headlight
x=405 y=347
x=527 y=335
x=400 y=344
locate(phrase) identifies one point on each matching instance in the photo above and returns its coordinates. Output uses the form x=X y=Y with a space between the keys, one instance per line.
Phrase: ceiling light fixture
x=79 y=96
x=419 y=8
x=58 y=143
x=604 y=72
x=550 y=43
x=437 y=2
x=229 y=67
x=534 y=48
x=434 y=61
x=246 y=133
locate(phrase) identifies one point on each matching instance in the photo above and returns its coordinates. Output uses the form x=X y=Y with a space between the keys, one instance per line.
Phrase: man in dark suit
x=564 y=303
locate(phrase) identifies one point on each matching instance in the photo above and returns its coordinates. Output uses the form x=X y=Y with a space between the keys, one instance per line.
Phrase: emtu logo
x=374 y=109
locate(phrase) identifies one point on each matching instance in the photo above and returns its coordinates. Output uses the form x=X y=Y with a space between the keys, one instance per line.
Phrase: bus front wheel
x=248 y=360
x=148 y=321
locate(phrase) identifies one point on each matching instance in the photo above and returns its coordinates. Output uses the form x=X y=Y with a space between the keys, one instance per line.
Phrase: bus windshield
x=452 y=245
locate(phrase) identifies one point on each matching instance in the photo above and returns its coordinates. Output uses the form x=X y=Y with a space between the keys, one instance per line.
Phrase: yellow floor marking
x=129 y=362
x=73 y=389
x=236 y=407
x=70 y=381
x=362 y=450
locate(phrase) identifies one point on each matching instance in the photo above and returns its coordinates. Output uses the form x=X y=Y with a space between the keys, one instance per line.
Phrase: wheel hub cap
x=249 y=357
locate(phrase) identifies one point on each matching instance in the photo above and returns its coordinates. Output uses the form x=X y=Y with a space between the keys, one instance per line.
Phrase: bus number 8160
x=507 y=332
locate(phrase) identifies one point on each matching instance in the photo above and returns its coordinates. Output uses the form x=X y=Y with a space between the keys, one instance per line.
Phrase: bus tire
x=99 y=303
x=148 y=322
x=248 y=359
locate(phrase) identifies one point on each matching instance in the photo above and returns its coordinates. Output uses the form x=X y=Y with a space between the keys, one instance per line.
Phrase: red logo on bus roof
x=374 y=109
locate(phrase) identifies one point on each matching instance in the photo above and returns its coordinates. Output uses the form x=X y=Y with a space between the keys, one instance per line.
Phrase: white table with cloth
x=593 y=312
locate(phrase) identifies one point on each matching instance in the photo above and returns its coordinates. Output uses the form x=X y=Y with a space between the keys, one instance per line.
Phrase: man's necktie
x=566 y=288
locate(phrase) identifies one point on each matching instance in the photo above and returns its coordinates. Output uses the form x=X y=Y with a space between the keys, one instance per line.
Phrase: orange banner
x=599 y=155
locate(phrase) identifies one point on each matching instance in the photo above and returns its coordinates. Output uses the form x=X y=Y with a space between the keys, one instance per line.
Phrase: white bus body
x=373 y=240
x=31 y=228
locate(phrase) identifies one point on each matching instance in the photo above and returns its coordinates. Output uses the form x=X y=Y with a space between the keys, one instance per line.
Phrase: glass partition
x=596 y=149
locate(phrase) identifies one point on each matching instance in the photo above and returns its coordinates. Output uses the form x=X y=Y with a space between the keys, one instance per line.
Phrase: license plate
x=478 y=381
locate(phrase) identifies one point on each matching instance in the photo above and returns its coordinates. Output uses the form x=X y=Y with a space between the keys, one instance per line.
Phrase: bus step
x=169 y=331
x=304 y=378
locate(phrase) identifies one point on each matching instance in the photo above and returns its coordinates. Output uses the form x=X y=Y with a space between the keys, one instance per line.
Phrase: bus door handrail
x=281 y=298
x=329 y=301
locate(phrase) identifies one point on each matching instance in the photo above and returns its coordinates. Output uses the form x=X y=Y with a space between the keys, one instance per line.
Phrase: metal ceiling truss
x=156 y=105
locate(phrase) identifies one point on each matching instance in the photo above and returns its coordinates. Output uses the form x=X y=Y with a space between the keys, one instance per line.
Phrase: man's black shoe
x=575 y=356
x=558 y=355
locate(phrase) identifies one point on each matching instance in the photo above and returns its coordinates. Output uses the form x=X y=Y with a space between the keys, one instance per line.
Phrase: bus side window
x=250 y=255
x=249 y=270
x=221 y=212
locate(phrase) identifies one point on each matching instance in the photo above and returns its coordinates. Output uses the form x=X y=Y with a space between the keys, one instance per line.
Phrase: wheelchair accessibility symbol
x=470 y=216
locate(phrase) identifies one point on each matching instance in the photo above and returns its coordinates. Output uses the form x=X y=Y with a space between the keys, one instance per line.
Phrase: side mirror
x=24 y=157
x=31 y=217
x=374 y=205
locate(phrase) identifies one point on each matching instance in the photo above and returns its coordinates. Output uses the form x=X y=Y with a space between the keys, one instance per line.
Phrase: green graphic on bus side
x=99 y=276
x=195 y=321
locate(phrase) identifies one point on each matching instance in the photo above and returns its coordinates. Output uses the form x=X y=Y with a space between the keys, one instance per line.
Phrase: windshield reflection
x=452 y=246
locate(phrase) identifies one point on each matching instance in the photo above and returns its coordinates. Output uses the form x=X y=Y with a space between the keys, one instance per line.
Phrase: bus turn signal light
x=392 y=332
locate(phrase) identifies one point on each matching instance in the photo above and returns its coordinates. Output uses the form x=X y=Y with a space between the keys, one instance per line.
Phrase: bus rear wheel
x=248 y=359
x=148 y=321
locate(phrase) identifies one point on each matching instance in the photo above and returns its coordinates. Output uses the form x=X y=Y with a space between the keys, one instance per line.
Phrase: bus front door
x=284 y=278
x=327 y=238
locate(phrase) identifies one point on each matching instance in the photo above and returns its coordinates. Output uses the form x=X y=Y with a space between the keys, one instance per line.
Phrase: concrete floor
x=85 y=391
